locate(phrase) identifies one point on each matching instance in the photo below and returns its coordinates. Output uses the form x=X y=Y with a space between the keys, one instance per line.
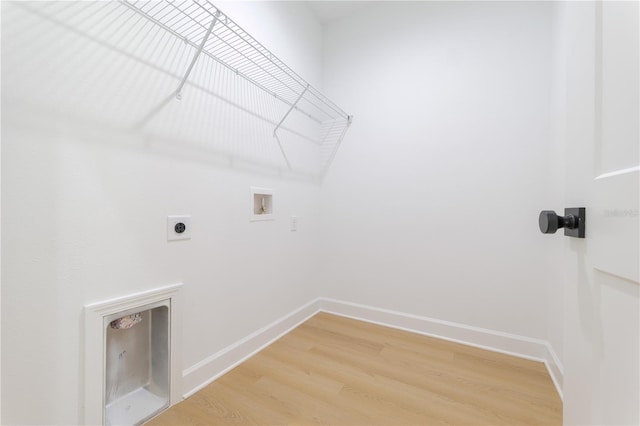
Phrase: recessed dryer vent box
x=136 y=364
x=132 y=363
x=261 y=203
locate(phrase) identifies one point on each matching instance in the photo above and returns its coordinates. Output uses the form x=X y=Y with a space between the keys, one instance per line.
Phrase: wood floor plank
x=340 y=371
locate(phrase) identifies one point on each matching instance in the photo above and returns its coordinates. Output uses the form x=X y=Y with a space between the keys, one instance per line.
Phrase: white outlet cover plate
x=172 y=221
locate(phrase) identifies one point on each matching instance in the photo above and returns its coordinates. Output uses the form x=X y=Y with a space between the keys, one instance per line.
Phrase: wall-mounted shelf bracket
x=337 y=144
x=213 y=36
x=275 y=134
x=286 y=160
x=195 y=56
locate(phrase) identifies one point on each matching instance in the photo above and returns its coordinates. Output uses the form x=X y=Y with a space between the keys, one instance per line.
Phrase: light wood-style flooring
x=338 y=371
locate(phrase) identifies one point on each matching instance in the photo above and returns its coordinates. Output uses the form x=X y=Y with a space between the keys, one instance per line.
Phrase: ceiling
x=329 y=11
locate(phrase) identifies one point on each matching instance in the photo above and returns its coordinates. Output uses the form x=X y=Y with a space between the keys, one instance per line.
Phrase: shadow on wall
x=104 y=65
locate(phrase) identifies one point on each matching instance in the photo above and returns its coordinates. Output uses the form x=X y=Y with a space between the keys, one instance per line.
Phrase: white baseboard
x=554 y=366
x=496 y=341
x=206 y=371
x=209 y=369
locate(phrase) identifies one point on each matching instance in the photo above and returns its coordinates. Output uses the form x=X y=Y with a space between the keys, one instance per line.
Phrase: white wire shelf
x=212 y=34
x=123 y=63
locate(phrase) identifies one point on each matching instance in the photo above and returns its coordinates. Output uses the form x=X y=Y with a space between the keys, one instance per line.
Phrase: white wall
x=431 y=207
x=85 y=204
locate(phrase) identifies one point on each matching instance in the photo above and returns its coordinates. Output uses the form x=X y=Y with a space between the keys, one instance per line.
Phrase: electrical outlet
x=178 y=228
x=293 y=222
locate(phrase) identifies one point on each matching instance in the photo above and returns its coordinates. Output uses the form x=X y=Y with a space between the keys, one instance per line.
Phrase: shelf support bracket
x=286 y=160
x=195 y=56
x=325 y=167
x=275 y=134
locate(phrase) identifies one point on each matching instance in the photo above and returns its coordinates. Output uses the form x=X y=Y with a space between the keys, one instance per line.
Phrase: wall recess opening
x=136 y=363
x=261 y=204
x=132 y=362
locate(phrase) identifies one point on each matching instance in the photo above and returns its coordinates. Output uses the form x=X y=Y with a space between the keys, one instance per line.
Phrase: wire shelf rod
x=187 y=18
x=333 y=153
x=247 y=47
x=272 y=59
x=240 y=60
x=261 y=50
x=284 y=155
x=290 y=109
x=195 y=56
x=329 y=103
x=203 y=27
x=225 y=113
x=212 y=56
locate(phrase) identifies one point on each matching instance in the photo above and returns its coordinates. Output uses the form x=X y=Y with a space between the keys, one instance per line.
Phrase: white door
x=602 y=322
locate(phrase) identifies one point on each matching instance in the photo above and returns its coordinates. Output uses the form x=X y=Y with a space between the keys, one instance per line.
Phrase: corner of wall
x=509 y=344
x=206 y=371
x=555 y=368
x=209 y=369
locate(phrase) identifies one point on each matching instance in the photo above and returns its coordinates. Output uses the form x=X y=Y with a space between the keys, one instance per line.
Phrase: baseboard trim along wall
x=206 y=371
x=496 y=341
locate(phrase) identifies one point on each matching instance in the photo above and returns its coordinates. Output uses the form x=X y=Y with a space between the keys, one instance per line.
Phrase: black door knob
x=550 y=222
x=572 y=222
